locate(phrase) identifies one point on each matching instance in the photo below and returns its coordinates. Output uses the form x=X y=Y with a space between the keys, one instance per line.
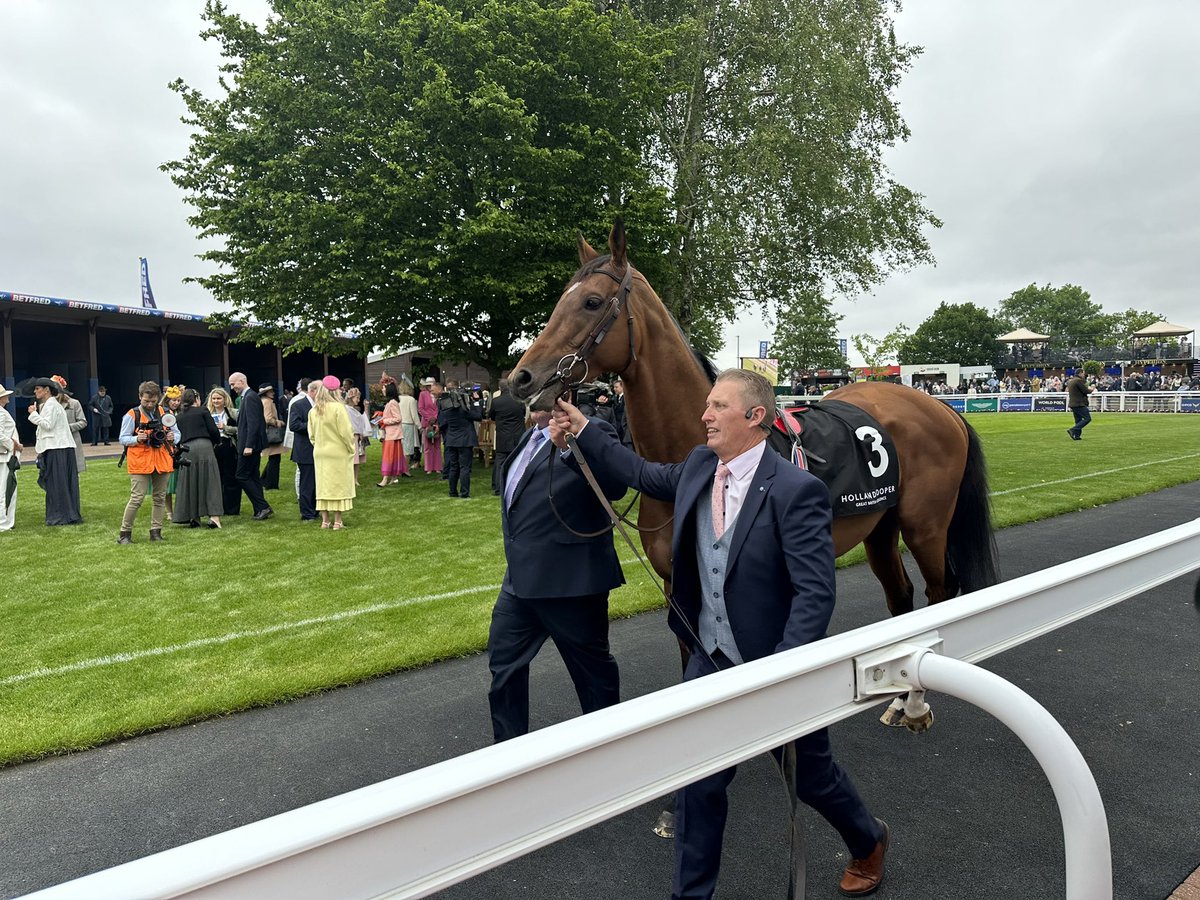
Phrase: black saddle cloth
x=849 y=451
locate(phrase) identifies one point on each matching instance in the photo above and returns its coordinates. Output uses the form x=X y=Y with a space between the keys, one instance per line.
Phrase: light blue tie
x=535 y=441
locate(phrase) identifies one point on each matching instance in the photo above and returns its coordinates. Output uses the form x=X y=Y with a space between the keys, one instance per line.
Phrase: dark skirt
x=58 y=476
x=198 y=488
x=231 y=492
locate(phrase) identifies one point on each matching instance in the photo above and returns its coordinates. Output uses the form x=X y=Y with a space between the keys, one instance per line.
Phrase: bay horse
x=609 y=319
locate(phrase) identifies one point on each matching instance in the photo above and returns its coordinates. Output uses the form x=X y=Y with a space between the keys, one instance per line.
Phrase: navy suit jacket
x=779 y=580
x=251 y=423
x=544 y=558
x=509 y=414
x=302 y=448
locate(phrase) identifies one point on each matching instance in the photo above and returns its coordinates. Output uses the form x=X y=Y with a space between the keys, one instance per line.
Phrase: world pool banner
x=981 y=404
x=147 y=293
x=1189 y=404
x=1016 y=404
x=1049 y=403
x=958 y=404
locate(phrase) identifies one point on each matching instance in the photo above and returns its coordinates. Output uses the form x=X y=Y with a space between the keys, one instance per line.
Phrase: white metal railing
x=426 y=830
x=1099 y=401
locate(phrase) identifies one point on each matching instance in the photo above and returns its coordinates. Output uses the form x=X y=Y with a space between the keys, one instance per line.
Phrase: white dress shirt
x=737 y=485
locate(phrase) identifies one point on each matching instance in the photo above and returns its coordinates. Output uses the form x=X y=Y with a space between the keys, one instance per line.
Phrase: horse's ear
x=586 y=253
x=616 y=243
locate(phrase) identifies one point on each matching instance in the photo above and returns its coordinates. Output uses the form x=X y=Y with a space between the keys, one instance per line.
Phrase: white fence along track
x=412 y=835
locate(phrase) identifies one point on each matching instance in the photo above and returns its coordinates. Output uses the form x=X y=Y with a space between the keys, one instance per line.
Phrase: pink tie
x=718 y=500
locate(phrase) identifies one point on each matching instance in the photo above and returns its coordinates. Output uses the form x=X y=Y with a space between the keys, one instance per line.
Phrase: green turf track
x=101 y=641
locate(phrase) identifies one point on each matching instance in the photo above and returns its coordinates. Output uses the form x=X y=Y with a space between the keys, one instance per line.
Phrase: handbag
x=274 y=434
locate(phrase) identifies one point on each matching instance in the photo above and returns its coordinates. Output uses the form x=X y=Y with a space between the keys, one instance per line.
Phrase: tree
x=1065 y=314
x=806 y=336
x=962 y=333
x=416 y=172
x=878 y=352
x=770 y=145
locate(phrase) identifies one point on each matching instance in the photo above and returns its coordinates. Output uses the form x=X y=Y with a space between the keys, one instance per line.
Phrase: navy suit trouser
x=498 y=459
x=250 y=481
x=306 y=494
x=701 y=808
x=458 y=470
x=579 y=628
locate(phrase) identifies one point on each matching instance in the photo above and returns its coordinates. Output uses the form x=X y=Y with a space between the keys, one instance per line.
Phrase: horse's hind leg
x=883 y=554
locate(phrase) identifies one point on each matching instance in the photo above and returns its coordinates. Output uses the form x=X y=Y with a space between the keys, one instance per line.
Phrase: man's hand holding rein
x=567 y=419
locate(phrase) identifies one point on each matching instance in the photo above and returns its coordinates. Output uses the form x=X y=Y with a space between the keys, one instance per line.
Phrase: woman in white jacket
x=9 y=447
x=57 y=472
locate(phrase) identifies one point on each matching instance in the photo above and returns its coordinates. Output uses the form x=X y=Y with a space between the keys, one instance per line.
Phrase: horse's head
x=590 y=330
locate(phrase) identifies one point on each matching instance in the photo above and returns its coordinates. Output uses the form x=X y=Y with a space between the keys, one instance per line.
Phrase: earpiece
x=750 y=413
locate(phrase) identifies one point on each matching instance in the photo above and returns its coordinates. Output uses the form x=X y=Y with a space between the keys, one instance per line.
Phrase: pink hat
x=332 y=382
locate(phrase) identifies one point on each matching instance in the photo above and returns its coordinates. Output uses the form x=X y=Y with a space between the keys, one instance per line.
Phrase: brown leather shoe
x=863 y=876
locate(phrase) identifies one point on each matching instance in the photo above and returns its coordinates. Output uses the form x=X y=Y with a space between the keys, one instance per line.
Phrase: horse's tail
x=971 y=544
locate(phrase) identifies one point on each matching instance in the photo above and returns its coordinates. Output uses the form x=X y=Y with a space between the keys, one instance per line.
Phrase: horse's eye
x=593 y=302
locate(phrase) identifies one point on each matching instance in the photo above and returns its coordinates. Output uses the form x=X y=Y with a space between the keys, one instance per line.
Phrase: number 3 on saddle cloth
x=848 y=450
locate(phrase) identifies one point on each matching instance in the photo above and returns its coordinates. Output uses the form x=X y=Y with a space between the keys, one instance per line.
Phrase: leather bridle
x=564 y=373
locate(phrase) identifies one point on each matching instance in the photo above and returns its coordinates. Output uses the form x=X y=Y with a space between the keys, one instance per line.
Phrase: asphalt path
x=971 y=813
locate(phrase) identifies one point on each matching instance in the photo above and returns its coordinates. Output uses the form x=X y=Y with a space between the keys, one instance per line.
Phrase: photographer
x=149 y=442
x=458 y=411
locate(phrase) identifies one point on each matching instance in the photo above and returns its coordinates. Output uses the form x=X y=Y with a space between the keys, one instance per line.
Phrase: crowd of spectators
x=1136 y=381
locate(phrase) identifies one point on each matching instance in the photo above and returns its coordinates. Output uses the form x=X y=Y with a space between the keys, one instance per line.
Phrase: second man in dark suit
x=556 y=584
x=251 y=441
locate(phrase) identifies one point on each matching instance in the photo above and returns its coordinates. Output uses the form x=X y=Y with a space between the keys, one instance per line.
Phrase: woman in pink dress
x=394 y=463
x=431 y=448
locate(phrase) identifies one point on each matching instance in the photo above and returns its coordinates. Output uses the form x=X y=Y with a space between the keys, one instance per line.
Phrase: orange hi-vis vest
x=143 y=459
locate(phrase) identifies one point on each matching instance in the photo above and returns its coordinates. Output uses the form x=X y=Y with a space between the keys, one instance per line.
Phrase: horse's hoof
x=665 y=826
x=920 y=724
x=892 y=718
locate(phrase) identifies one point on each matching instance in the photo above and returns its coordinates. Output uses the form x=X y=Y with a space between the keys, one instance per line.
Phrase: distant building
x=91 y=344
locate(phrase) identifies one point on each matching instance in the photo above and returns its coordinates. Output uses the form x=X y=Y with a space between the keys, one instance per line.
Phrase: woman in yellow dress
x=333 y=442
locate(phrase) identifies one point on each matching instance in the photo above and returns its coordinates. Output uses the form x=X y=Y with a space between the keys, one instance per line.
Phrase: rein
x=618 y=525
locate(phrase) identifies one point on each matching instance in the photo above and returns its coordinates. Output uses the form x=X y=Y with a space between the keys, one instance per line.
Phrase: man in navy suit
x=251 y=441
x=752 y=575
x=302 y=451
x=556 y=584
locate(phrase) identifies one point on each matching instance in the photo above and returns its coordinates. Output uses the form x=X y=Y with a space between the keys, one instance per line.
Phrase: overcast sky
x=1057 y=142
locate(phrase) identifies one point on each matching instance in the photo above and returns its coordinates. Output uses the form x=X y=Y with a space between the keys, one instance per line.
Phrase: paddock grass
x=101 y=642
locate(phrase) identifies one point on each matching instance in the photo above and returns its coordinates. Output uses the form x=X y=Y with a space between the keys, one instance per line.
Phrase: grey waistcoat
x=712 y=556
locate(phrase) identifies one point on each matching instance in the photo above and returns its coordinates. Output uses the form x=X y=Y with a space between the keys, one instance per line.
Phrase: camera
x=586 y=394
x=177 y=455
x=156 y=430
x=458 y=398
